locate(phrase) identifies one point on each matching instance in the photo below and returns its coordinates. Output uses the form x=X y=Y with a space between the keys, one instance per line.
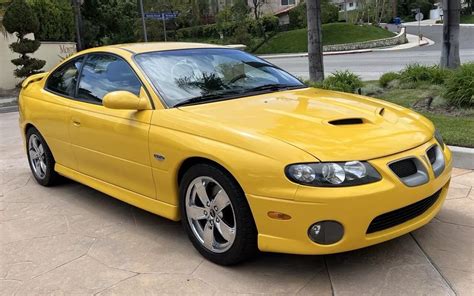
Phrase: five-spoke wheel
x=40 y=158
x=216 y=215
x=37 y=156
x=210 y=214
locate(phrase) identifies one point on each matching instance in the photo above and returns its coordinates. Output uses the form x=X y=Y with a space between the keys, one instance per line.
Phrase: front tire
x=40 y=158
x=216 y=215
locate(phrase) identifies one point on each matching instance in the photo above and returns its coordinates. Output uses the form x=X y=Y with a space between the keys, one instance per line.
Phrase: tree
x=315 y=41
x=20 y=20
x=257 y=8
x=109 y=21
x=450 y=48
x=56 y=19
x=3 y=6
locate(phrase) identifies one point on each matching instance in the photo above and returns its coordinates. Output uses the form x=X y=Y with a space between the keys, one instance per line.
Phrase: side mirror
x=124 y=100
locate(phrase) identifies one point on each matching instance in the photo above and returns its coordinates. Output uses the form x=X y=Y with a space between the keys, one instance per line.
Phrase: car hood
x=331 y=126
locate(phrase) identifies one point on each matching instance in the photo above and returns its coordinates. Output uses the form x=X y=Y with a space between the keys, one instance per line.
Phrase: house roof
x=284 y=11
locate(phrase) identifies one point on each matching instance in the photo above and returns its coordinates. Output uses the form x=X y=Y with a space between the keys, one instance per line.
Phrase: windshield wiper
x=207 y=98
x=274 y=87
x=232 y=94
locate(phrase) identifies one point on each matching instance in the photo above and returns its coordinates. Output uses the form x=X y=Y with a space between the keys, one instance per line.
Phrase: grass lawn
x=467 y=19
x=336 y=33
x=457 y=129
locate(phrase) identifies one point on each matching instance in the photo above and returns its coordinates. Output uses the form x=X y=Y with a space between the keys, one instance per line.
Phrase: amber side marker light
x=278 y=215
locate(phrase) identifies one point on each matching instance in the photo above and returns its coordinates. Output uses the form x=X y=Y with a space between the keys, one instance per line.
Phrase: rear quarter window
x=63 y=80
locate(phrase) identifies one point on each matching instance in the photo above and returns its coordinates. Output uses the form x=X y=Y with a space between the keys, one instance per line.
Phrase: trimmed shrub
x=460 y=87
x=269 y=23
x=344 y=81
x=388 y=77
x=204 y=31
x=416 y=73
x=20 y=20
x=298 y=17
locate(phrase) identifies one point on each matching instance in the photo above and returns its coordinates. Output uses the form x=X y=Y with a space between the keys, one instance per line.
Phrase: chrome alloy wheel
x=210 y=214
x=37 y=156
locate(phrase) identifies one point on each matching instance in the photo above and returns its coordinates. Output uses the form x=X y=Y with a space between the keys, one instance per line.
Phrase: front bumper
x=353 y=207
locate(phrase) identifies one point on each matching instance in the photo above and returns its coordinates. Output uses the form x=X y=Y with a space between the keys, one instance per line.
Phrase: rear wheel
x=40 y=158
x=216 y=215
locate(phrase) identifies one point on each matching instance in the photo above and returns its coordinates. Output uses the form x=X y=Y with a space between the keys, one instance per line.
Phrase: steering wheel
x=191 y=66
x=237 y=78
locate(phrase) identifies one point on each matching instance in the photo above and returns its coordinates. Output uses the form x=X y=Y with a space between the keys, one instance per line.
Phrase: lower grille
x=402 y=215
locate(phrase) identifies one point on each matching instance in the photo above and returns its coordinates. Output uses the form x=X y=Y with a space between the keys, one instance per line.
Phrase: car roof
x=159 y=46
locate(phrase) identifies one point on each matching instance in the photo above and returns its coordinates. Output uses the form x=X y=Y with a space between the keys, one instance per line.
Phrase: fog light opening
x=326 y=232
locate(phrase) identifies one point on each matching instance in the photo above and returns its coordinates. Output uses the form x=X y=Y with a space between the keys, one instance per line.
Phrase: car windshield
x=193 y=76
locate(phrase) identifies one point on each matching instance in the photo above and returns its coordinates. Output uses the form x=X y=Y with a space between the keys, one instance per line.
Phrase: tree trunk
x=450 y=48
x=78 y=23
x=345 y=11
x=394 y=8
x=315 y=42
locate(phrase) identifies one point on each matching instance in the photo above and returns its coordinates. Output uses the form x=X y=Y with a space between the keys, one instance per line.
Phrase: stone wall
x=399 y=39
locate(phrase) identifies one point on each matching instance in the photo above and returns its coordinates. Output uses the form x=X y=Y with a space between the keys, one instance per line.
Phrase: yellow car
x=247 y=156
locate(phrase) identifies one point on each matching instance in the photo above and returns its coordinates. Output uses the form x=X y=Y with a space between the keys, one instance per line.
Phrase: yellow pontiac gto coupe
x=247 y=156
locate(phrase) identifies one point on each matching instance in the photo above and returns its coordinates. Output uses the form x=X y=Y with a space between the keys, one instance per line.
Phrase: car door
x=53 y=120
x=109 y=144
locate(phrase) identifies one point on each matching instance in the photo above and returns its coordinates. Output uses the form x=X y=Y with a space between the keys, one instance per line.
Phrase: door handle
x=76 y=122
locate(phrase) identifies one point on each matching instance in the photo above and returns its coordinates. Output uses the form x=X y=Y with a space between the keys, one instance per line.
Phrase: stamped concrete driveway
x=71 y=239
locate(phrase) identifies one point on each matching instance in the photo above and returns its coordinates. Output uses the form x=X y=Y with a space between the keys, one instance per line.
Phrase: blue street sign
x=164 y=15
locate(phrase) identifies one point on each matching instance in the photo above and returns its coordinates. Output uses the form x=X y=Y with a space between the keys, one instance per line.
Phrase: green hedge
x=265 y=25
x=204 y=31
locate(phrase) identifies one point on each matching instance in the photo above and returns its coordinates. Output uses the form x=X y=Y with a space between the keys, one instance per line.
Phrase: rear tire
x=40 y=158
x=216 y=215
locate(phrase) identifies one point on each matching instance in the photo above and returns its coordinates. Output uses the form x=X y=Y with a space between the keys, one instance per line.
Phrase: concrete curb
x=463 y=157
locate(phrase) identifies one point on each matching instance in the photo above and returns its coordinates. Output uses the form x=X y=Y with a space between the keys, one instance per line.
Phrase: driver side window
x=104 y=73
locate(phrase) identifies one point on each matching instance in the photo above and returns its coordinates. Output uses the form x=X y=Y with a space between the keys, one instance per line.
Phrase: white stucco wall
x=273 y=6
x=51 y=52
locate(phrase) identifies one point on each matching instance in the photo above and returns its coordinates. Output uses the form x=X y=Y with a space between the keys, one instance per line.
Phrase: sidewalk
x=8 y=104
x=413 y=41
x=430 y=22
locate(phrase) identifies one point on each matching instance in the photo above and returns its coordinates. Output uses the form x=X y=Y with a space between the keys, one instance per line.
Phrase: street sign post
x=162 y=16
x=145 y=36
x=419 y=17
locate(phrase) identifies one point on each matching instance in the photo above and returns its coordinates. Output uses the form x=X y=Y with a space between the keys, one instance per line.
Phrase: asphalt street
x=371 y=65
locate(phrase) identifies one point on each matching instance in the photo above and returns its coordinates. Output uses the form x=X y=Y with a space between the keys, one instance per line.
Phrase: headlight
x=439 y=139
x=332 y=174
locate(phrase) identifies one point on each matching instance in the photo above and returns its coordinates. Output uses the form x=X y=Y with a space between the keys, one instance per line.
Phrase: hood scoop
x=347 y=121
